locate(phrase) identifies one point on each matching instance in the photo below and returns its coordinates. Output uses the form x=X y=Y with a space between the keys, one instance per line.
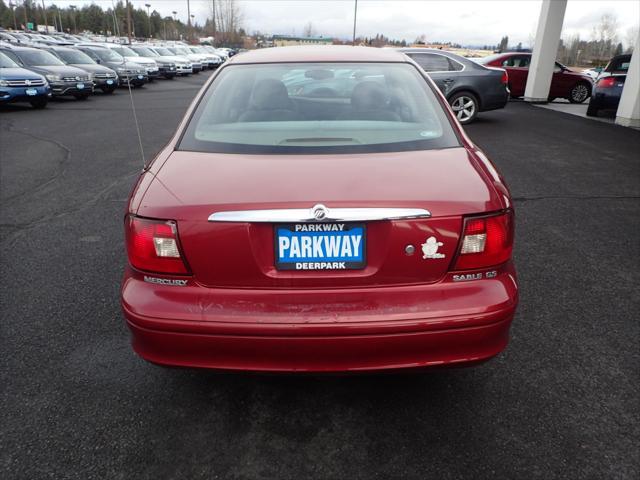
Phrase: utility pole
x=24 y=9
x=44 y=13
x=129 y=22
x=73 y=9
x=175 y=29
x=213 y=20
x=148 y=5
x=13 y=12
x=355 y=16
x=188 y=20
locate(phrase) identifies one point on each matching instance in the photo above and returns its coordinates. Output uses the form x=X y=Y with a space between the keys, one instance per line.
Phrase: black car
x=128 y=72
x=468 y=87
x=608 y=88
x=63 y=79
x=104 y=78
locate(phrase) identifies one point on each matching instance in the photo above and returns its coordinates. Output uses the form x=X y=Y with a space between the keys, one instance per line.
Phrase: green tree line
x=92 y=18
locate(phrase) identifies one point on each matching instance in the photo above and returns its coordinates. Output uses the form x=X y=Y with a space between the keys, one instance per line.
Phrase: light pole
x=12 y=6
x=73 y=9
x=148 y=5
x=175 y=29
x=188 y=20
x=44 y=13
x=355 y=16
x=24 y=10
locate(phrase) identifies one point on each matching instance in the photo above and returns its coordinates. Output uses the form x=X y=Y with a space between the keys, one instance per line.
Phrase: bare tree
x=228 y=21
x=606 y=34
x=309 y=30
x=631 y=37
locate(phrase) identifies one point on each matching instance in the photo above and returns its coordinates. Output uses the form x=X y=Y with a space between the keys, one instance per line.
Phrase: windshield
x=6 y=62
x=180 y=51
x=37 y=57
x=318 y=108
x=107 y=55
x=74 y=56
x=145 y=52
x=126 y=52
x=164 y=52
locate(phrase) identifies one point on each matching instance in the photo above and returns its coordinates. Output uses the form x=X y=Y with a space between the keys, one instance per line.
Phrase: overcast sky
x=467 y=22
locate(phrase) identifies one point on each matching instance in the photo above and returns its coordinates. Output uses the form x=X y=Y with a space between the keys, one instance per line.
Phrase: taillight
x=505 y=78
x=153 y=245
x=486 y=241
x=606 y=82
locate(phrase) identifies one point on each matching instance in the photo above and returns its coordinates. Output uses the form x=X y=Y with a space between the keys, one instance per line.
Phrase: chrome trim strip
x=304 y=215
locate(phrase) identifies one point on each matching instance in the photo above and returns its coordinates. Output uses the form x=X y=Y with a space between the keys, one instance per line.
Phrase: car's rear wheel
x=465 y=106
x=579 y=93
x=39 y=103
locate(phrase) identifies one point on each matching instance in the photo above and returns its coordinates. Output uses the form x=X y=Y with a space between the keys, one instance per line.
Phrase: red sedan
x=319 y=209
x=565 y=83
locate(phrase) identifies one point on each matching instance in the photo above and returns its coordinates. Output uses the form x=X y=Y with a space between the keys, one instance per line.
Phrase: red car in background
x=319 y=209
x=574 y=86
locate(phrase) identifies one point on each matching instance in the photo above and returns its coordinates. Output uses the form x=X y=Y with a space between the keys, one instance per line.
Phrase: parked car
x=351 y=231
x=211 y=60
x=104 y=78
x=21 y=85
x=196 y=60
x=468 y=87
x=129 y=73
x=150 y=66
x=566 y=83
x=593 y=73
x=183 y=64
x=608 y=88
x=64 y=80
x=168 y=66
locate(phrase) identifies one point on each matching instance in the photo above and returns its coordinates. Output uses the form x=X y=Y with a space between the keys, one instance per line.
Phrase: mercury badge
x=319 y=212
x=430 y=248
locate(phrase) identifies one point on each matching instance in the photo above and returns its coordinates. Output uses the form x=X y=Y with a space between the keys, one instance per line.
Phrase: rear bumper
x=495 y=101
x=441 y=324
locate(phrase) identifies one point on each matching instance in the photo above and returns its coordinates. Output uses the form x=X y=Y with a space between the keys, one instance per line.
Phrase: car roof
x=319 y=53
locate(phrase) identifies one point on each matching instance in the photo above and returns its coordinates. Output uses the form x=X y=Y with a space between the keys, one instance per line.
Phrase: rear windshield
x=318 y=108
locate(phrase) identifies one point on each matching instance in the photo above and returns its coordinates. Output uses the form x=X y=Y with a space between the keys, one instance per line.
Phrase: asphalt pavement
x=561 y=402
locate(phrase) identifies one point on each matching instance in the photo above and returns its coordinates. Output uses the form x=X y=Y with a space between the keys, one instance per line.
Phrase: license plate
x=320 y=246
x=109 y=82
x=140 y=77
x=31 y=92
x=80 y=86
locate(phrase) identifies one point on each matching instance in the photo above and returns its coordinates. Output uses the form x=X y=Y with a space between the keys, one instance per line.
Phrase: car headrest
x=369 y=95
x=270 y=94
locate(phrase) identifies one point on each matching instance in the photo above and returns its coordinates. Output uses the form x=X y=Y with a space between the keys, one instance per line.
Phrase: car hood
x=90 y=67
x=63 y=70
x=141 y=61
x=18 y=73
x=445 y=182
x=167 y=58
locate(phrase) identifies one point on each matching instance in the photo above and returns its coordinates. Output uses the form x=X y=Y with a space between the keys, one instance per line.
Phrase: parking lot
x=561 y=402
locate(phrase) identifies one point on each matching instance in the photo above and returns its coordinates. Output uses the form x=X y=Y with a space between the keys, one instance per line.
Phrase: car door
x=517 y=67
x=439 y=69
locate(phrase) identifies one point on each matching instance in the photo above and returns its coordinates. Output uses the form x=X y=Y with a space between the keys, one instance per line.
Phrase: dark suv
x=128 y=72
x=63 y=79
x=104 y=78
